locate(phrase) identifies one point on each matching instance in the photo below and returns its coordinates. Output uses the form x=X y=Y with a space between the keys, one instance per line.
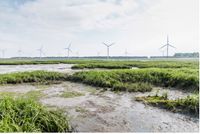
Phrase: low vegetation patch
x=109 y=64
x=71 y=94
x=30 y=77
x=139 y=64
x=22 y=115
x=186 y=79
x=102 y=65
x=190 y=104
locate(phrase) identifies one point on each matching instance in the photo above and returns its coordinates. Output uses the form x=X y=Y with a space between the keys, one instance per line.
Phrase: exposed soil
x=106 y=111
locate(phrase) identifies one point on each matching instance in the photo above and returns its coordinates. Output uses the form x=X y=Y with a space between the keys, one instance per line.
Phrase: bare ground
x=105 y=111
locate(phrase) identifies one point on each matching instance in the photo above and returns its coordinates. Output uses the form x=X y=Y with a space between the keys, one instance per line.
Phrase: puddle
x=47 y=67
x=105 y=111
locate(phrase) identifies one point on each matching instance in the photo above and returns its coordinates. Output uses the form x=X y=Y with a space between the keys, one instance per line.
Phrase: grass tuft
x=189 y=104
x=32 y=77
x=22 y=115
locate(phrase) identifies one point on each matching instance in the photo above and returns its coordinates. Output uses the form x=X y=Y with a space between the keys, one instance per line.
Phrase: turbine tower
x=68 y=50
x=126 y=53
x=167 y=45
x=41 y=51
x=3 y=52
x=108 y=48
x=19 y=52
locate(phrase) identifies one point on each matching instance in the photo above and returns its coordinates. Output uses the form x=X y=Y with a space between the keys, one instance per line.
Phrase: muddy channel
x=97 y=110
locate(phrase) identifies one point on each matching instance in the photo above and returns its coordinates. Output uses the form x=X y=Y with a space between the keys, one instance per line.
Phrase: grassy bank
x=35 y=62
x=190 y=104
x=102 y=65
x=22 y=115
x=30 y=77
x=109 y=64
x=186 y=79
x=139 y=64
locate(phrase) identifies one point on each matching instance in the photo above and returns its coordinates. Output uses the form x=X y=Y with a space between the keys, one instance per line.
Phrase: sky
x=139 y=27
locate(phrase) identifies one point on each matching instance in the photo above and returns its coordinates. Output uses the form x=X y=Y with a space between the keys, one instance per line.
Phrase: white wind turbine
x=108 y=48
x=167 y=45
x=41 y=52
x=3 y=51
x=68 y=50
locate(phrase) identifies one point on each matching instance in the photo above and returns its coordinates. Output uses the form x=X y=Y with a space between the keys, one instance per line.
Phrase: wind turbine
x=167 y=45
x=126 y=53
x=68 y=50
x=41 y=51
x=163 y=53
x=3 y=52
x=19 y=52
x=108 y=48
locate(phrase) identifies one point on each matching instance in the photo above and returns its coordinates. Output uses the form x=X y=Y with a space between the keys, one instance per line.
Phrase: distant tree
x=187 y=55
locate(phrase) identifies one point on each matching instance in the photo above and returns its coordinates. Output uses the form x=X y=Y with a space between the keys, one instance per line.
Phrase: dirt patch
x=106 y=111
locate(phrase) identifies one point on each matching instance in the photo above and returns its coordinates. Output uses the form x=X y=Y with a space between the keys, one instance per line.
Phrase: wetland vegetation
x=24 y=115
x=186 y=79
x=189 y=104
x=23 y=112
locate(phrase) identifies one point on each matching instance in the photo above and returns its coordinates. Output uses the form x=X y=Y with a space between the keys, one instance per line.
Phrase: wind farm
x=164 y=50
x=101 y=66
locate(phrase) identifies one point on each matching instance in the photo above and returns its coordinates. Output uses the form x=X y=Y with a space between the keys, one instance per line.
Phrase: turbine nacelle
x=108 y=50
x=167 y=46
x=68 y=49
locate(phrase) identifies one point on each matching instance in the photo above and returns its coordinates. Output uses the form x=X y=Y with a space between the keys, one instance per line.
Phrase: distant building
x=187 y=55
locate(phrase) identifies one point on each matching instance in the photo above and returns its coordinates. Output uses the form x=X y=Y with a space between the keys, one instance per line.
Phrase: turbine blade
x=105 y=44
x=163 y=46
x=111 y=44
x=69 y=45
x=171 y=46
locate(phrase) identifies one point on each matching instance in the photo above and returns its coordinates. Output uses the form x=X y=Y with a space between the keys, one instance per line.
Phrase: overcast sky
x=138 y=26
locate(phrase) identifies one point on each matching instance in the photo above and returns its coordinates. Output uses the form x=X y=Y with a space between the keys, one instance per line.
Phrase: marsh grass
x=109 y=64
x=139 y=64
x=189 y=104
x=185 y=79
x=43 y=77
x=25 y=115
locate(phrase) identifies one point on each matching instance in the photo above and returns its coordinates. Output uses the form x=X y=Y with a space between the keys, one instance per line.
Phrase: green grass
x=102 y=65
x=32 y=77
x=35 y=62
x=22 y=115
x=139 y=64
x=109 y=64
x=186 y=79
x=71 y=94
x=189 y=104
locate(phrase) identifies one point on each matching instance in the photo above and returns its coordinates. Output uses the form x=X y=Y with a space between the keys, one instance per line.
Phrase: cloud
x=31 y=23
